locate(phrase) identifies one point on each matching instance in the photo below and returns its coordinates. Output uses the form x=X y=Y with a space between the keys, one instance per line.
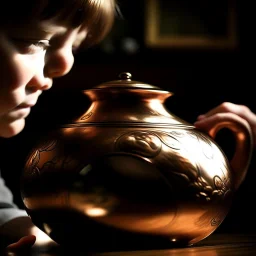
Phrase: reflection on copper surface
x=95 y=212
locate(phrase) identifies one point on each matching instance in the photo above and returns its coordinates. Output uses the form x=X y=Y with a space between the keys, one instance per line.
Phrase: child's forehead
x=39 y=27
x=73 y=12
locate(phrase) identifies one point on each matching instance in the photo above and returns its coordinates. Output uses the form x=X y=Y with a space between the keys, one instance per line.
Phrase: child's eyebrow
x=51 y=28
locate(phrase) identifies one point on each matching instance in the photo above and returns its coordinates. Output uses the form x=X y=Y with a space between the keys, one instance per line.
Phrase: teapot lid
x=125 y=81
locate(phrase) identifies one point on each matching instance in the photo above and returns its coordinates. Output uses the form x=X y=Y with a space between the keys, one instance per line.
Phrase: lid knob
x=125 y=76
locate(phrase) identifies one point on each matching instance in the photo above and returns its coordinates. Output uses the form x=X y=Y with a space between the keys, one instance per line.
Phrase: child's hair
x=97 y=16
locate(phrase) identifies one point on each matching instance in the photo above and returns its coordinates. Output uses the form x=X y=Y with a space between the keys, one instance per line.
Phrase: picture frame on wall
x=210 y=24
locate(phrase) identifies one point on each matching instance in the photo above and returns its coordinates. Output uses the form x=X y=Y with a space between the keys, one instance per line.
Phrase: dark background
x=199 y=78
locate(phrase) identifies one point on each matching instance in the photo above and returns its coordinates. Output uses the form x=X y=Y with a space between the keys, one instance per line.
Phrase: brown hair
x=97 y=16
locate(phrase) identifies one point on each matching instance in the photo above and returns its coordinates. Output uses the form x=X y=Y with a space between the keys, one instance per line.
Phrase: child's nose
x=59 y=63
x=39 y=82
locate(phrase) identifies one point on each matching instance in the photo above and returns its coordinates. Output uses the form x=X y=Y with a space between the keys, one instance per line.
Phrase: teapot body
x=93 y=179
x=168 y=182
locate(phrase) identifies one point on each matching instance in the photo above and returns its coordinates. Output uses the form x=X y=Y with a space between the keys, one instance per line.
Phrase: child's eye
x=43 y=44
x=31 y=46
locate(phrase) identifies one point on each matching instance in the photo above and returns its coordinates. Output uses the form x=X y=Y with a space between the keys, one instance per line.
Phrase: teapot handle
x=241 y=130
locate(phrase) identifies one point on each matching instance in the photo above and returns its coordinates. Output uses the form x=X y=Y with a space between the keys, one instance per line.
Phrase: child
x=231 y=110
x=37 y=38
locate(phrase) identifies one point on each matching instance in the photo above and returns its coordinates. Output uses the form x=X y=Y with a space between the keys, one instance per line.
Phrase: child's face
x=30 y=57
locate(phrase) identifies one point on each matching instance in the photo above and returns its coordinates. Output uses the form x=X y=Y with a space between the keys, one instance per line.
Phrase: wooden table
x=214 y=245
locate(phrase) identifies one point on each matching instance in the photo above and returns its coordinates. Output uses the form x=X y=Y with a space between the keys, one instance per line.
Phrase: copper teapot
x=128 y=168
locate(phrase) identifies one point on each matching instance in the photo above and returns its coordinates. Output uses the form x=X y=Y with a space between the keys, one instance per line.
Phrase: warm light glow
x=95 y=212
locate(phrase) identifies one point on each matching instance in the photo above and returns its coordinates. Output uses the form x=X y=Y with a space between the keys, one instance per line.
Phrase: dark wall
x=199 y=78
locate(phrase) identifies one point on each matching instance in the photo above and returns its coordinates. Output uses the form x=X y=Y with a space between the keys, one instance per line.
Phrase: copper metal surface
x=128 y=168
